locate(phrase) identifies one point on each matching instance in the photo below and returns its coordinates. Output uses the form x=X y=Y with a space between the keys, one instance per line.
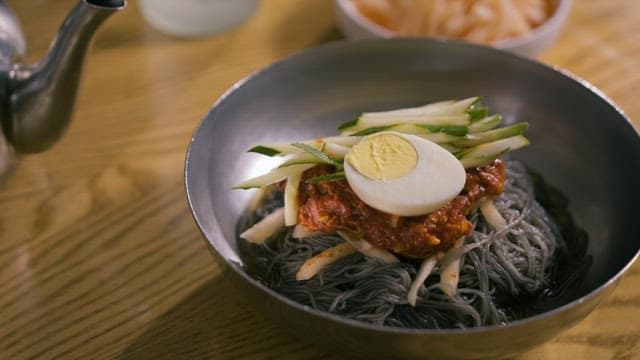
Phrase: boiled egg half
x=403 y=174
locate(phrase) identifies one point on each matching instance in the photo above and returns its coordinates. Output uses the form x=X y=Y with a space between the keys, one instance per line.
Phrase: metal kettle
x=36 y=101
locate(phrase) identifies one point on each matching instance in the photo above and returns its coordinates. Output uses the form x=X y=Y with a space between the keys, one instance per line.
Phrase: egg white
x=436 y=179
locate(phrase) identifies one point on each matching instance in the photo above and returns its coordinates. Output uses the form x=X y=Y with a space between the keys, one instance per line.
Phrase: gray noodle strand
x=498 y=269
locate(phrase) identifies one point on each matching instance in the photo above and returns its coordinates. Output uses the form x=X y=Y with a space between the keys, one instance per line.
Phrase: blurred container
x=355 y=25
x=191 y=18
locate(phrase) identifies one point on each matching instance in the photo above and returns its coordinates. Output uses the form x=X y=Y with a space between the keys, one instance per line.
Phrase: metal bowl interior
x=581 y=144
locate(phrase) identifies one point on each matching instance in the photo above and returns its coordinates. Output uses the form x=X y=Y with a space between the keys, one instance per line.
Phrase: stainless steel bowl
x=581 y=143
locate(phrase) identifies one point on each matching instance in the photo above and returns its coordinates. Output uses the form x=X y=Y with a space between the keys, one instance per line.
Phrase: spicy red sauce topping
x=332 y=205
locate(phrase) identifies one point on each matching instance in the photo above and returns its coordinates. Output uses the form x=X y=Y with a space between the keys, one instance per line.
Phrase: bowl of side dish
x=575 y=135
x=521 y=26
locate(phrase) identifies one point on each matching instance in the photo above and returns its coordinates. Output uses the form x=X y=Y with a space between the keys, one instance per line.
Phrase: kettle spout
x=42 y=97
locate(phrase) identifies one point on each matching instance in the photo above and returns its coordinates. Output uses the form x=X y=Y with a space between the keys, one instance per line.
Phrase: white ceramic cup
x=190 y=18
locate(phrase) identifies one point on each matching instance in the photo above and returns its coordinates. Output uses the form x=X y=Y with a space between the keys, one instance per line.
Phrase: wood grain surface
x=99 y=255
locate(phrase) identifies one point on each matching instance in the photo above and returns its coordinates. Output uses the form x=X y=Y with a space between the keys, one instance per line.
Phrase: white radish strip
x=299 y=232
x=313 y=265
x=450 y=274
x=423 y=273
x=291 y=199
x=367 y=249
x=492 y=215
x=264 y=228
x=256 y=199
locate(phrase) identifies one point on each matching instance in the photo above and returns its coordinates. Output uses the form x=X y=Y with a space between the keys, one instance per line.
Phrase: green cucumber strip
x=455 y=130
x=278 y=149
x=455 y=107
x=372 y=130
x=477 y=161
x=273 y=176
x=418 y=129
x=488 y=123
x=348 y=124
x=491 y=135
x=441 y=138
x=477 y=112
x=328 y=177
x=436 y=108
x=438 y=113
x=265 y=150
x=414 y=129
x=441 y=120
x=287 y=148
x=317 y=153
x=485 y=153
x=450 y=148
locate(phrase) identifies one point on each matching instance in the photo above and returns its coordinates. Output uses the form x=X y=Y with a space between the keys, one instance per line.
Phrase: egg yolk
x=383 y=156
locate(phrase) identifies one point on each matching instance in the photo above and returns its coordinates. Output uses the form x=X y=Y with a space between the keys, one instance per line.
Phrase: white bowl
x=191 y=18
x=354 y=25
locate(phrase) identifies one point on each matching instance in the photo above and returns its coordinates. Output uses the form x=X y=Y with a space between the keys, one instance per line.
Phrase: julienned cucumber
x=474 y=139
x=298 y=159
x=416 y=129
x=319 y=154
x=485 y=153
x=334 y=145
x=446 y=107
x=443 y=113
x=484 y=124
x=458 y=145
x=462 y=127
x=273 y=176
x=436 y=120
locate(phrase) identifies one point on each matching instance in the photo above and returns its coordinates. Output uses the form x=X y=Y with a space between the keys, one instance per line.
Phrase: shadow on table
x=214 y=322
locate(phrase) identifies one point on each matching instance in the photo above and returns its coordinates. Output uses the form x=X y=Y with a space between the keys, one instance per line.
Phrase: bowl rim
x=556 y=19
x=309 y=52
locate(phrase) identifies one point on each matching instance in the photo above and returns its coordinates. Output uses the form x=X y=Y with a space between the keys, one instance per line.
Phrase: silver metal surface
x=581 y=144
x=36 y=102
x=12 y=42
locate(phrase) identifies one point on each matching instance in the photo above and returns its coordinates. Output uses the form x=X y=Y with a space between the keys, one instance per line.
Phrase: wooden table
x=99 y=255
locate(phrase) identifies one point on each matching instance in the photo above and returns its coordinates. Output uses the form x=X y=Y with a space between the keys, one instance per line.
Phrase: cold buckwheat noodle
x=530 y=266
